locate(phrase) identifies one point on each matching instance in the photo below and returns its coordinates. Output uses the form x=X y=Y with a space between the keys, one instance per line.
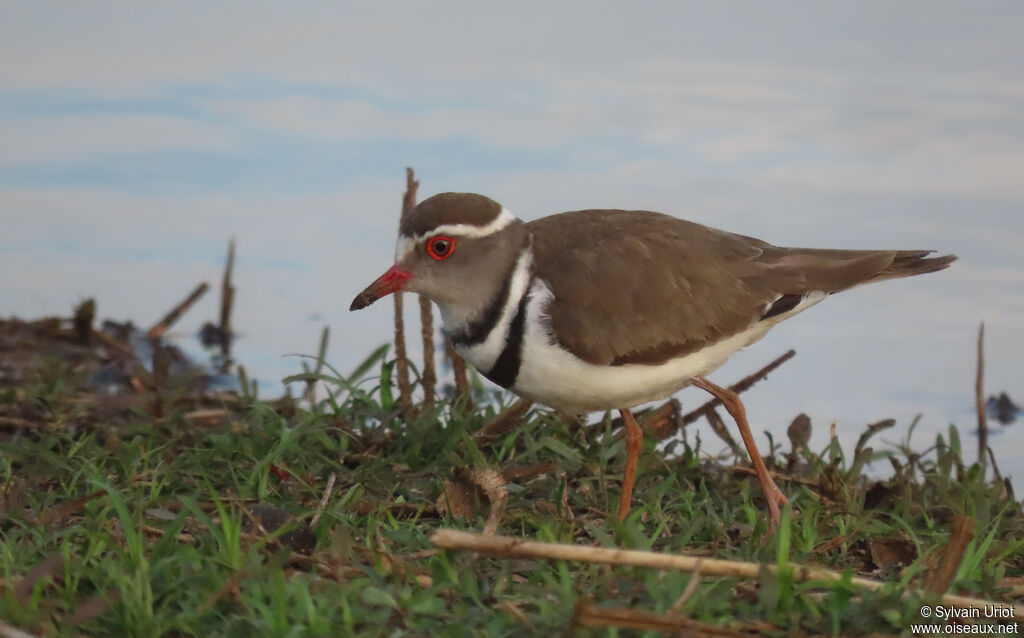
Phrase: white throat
x=456 y=317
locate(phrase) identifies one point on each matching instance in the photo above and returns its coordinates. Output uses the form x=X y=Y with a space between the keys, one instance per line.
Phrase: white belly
x=553 y=376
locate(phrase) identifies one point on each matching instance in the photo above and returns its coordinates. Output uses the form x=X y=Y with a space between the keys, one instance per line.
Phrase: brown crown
x=450 y=208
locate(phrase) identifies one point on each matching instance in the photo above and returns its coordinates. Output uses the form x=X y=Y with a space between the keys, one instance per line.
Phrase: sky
x=135 y=139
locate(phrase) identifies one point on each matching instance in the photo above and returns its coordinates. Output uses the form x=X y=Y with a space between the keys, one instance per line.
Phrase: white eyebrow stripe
x=407 y=244
x=404 y=248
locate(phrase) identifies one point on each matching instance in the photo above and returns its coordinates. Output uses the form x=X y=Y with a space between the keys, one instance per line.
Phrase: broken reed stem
x=509 y=547
x=719 y=428
x=409 y=198
x=7 y=631
x=227 y=299
x=171 y=317
x=741 y=386
x=429 y=378
x=114 y=347
x=402 y=361
x=939 y=579
x=504 y=422
x=979 y=399
x=461 y=379
x=401 y=357
x=324 y=500
x=587 y=614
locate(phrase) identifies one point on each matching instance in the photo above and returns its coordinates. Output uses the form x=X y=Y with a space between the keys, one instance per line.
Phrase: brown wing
x=642 y=287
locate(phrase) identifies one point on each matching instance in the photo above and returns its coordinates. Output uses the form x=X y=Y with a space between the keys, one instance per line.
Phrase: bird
x=597 y=310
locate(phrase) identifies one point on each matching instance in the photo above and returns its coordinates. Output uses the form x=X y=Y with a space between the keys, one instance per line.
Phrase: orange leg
x=734 y=406
x=634 y=444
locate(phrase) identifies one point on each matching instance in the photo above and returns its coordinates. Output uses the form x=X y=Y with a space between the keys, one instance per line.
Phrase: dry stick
x=979 y=399
x=409 y=198
x=588 y=614
x=659 y=422
x=6 y=631
x=939 y=579
x=493 y=486
x=95 y=606
x=227 y=299
x=461 y=380
x=719 y=428
x=115 y=347
x=742 y=386
x=160 y=328
x=504 y=422
x=688 y=590
x=429 y=373
x=402 y=360
x=401 y=357
x=324 y=500
x=509 y=547
x=52 y=564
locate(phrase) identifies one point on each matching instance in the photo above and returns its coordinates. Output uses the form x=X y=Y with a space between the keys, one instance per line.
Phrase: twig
x=939 y=579
x=95 y=606
x=461 y=380
x=979 y=399
x=775 y=474
x=429 y=378
x=587 y=614
x=401 y=357
x=718 y=427
x=508 y=547
x=995 y=466
x=504 y=422
x=872 y=429
x=742 y=386
x=227 y=300
x=688 y=590
x=115 y=347
x=402 y=360
x=365 y=508
x=46 y=568
x=85 y=314
x=514 y=474
x=493 y=486
x=660 y=422
x=409 y=199
x=324 y=500
x=207 y=417
x=6 y=631
x=171 y=317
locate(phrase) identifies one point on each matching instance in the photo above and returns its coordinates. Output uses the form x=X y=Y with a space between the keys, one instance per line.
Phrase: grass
x=133 y=525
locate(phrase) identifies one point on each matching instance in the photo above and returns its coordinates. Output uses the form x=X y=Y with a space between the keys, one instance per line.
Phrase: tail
x=798 y=271
x=907 y=263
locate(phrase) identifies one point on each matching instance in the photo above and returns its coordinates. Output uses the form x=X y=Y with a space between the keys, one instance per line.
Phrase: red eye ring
x=440 y=247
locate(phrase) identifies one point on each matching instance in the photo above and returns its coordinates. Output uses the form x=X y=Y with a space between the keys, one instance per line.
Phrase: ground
x=135 y=501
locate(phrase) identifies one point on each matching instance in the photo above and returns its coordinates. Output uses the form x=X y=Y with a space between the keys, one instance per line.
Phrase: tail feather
x=797 y=271
x=907 y=263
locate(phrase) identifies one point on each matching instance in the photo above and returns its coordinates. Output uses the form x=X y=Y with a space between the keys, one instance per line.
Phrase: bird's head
x=456 y=249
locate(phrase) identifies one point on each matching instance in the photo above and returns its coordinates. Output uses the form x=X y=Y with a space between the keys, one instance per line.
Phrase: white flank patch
x=483 y=355
x=554 y=376
x=808 y=300
x=407 y=244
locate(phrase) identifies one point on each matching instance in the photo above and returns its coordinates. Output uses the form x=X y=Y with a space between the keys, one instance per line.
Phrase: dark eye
x=440 y=247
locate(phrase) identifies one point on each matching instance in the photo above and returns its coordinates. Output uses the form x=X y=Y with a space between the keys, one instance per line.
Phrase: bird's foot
x=775 y=499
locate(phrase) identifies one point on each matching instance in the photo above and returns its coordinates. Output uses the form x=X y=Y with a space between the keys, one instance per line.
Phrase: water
x=122 y=176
